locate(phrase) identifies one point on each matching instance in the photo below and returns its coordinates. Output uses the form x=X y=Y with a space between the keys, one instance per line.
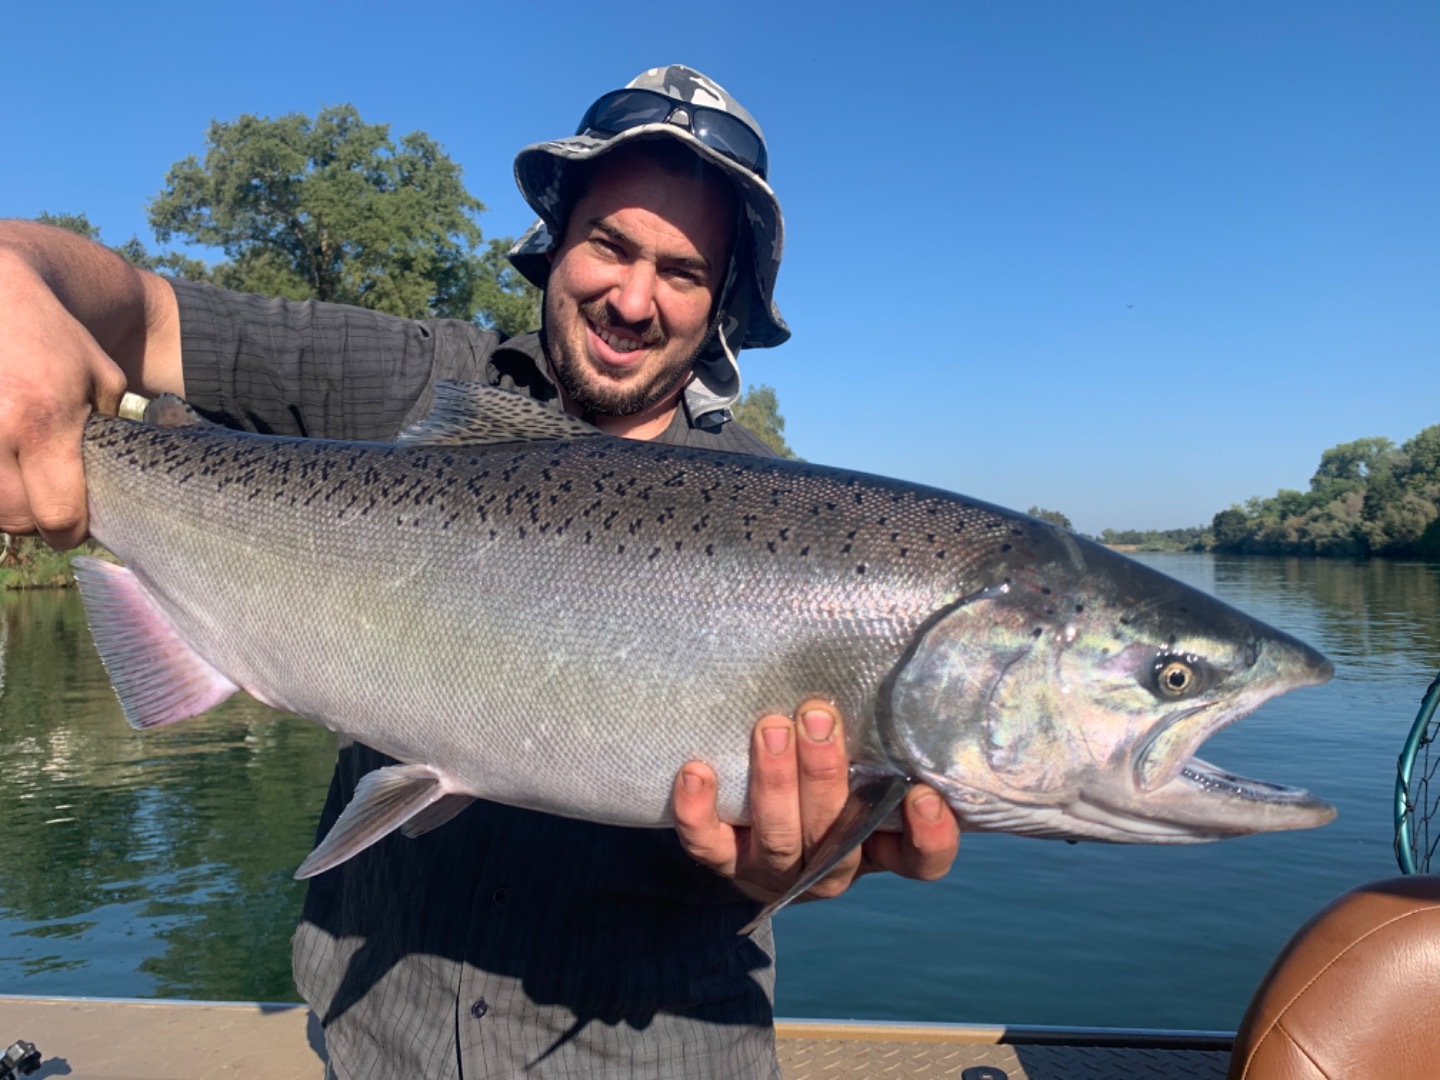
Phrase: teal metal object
x=1414 y=803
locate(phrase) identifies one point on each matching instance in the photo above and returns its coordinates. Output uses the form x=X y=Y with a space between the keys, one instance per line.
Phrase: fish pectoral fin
x=435 y=815
x=473 y=414
x=158 y=678
x=384 y=800
x=871 y=801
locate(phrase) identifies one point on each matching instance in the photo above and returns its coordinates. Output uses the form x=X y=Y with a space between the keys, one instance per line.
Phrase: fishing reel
x=22 y=1058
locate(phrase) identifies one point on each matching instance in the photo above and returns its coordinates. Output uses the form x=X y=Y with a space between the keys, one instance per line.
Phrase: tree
x=334 y=209
x=1054 y=517
x=759 y=410
x=1352 y=461
x=1231 y=528
x=503 y=299
x=76 y=223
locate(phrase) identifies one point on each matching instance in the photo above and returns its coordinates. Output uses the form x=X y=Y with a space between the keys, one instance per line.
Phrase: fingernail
x=777 y=738
x=928 y=807
x=819 y=725
x=691 y=781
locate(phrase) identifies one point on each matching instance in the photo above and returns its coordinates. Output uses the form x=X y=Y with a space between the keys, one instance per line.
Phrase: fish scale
x=520 y=608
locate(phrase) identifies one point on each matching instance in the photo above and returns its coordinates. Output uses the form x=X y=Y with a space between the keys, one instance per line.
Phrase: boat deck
x=106 y=1039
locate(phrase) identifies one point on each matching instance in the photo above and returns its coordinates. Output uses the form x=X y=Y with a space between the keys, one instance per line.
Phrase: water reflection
x=155 y=862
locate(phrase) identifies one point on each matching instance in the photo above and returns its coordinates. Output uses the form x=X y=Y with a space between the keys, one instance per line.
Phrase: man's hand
x=51 y=371
x=799 y=780
x=76 y=319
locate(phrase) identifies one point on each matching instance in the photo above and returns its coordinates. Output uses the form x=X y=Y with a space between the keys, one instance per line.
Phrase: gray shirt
x=506 y=943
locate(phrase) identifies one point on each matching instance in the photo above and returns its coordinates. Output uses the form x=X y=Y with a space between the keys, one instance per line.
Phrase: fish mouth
x=1180 y=791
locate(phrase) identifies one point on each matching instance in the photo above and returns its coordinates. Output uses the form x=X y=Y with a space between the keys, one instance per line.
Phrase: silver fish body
x=560 y=624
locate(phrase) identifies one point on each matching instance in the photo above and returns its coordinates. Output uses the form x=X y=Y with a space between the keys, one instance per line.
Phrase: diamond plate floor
x=832 y=1059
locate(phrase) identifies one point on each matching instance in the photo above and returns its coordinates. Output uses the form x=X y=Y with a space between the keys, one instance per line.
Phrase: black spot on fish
x=1004 y=547
x=860 y=569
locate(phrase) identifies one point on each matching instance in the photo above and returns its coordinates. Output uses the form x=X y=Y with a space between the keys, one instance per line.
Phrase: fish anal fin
x=435 y=815
x=872 y=799
x=473 y=414
x=384 y=800
x=158 y=678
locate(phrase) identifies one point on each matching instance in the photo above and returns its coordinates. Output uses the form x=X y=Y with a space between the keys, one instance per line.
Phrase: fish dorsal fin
x=168 y=410
x=469 y=414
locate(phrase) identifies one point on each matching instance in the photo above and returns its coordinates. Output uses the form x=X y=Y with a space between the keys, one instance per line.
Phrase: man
x=506 y=942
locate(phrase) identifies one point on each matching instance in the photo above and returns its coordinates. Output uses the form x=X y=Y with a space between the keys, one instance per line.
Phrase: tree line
x=1367 y=497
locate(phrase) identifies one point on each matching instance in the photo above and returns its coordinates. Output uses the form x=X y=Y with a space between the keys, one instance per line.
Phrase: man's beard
x=596 y=396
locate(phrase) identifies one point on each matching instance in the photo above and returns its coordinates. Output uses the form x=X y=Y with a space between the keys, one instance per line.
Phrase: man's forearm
x=130 y=313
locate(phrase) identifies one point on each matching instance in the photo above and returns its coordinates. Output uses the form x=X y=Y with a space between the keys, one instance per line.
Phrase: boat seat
x=1355 y=993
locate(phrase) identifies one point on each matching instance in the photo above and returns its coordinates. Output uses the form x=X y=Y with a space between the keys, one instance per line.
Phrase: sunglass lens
x=625 y=109
x=723 y=132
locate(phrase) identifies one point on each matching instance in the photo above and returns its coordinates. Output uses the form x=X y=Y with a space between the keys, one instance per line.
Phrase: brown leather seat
x=1355 y=994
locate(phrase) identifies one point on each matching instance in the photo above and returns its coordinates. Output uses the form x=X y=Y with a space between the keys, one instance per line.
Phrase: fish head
x=1067 y=698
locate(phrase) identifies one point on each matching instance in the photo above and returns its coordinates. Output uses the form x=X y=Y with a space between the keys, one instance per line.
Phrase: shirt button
x=479 y=1008
x=499 y=896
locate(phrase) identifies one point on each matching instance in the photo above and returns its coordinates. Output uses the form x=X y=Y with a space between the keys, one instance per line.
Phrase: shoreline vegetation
x=27 y=562
x=1368 y=499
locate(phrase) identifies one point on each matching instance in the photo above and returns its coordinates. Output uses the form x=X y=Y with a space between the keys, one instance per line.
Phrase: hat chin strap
x=716 y=385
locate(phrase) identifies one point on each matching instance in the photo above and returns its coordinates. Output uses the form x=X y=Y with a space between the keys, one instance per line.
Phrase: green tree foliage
x=503 y=299
x=1367 y=497
x=332 y=208
x=759 y=410
x=1055 y=517
x=76 y=223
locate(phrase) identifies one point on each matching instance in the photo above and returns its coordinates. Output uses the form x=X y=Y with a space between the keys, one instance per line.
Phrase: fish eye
x=1176 y=677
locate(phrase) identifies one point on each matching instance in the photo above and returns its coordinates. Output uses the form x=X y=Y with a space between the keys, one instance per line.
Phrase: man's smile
x=611 y=347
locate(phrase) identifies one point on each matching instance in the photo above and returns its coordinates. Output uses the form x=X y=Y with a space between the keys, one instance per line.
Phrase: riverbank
x=30 y=563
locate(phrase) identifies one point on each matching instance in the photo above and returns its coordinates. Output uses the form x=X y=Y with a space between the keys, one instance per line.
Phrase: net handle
x=1404 y=809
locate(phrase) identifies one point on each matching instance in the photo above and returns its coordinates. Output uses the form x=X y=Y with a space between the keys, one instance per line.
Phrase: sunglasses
x=621 y=110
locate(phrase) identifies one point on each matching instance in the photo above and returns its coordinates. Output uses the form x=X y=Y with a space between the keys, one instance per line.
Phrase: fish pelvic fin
x=472 y=414
x=871 y=801
x=435 y=815
x=384 y=800
x=158 y=678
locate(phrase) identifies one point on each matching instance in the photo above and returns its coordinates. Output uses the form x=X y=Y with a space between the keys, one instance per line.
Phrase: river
x=157 y=864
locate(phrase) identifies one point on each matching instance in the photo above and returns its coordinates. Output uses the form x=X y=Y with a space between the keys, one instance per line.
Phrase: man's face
x=632 y=285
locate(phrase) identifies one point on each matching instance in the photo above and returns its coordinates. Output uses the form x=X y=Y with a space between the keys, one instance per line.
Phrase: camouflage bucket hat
x=729 y=138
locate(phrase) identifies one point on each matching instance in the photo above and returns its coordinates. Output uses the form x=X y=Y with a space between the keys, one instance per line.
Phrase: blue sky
x=1134 y=261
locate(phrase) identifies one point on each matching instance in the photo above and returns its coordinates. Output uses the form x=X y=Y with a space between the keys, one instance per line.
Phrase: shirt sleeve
x=288 y=367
